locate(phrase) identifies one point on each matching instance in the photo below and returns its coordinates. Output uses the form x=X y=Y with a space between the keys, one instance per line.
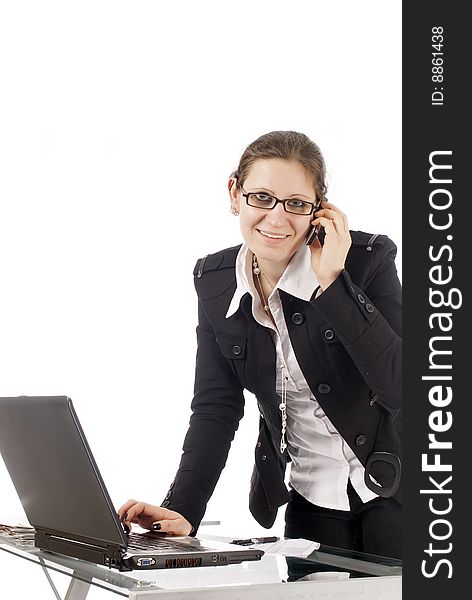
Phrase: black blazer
x=348 y=345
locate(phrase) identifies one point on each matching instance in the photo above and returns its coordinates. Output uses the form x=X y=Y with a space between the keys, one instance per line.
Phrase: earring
x=234 y=211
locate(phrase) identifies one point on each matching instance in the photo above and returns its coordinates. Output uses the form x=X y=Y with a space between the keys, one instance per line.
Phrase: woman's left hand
x=328 y=259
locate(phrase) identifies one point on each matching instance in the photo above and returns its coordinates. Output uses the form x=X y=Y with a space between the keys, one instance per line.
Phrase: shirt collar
x=298 y=279
x=243 y=279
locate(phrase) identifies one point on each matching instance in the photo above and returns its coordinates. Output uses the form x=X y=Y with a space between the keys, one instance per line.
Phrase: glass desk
x=326 y=573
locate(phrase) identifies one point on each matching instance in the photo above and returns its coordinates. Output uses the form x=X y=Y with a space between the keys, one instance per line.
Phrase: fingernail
x=155 y=526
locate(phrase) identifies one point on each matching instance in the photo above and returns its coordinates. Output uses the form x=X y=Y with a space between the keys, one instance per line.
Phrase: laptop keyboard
x=140 y=541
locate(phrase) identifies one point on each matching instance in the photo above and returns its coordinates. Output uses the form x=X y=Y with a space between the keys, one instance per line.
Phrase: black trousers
x=373 y=527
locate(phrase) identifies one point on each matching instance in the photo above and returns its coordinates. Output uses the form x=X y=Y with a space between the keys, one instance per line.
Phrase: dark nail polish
x=155 y=526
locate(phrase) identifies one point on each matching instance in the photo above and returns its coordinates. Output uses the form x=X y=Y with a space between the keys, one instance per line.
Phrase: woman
x=314 y=332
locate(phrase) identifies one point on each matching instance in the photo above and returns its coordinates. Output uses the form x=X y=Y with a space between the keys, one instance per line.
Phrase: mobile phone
x=313 y=233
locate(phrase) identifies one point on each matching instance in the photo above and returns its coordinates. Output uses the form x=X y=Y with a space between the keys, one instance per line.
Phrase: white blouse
x=322 y=462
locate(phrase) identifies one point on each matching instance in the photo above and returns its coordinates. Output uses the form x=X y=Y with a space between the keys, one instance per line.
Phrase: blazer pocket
x=234 y=349
x=335 y=354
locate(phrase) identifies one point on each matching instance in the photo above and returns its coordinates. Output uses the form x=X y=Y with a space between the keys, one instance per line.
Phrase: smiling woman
x=273 y=233
x=313 y=330
x=292 y=164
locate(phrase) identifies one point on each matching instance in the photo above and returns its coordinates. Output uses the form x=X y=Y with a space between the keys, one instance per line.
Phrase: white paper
x=298 y=547
x=293 y=547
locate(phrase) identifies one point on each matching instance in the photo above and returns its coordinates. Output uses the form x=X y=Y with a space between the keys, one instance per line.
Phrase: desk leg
x=78 y=589
x=49 y=578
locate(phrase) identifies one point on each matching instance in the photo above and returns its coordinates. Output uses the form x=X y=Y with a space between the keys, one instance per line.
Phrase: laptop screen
x=53 y=470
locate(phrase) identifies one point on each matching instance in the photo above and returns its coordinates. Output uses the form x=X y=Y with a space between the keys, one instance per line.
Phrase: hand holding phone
x=328 y=257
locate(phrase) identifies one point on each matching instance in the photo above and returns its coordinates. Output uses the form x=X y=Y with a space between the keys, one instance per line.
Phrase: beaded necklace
x=283 y=404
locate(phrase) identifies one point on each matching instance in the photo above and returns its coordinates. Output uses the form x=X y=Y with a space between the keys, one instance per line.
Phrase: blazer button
x=360 y=440
x=263 y=457
x=324 y=388
x=329 y=334
x=237 y=350
x=259 y=444
x=298 y=318
x=165 y=503
x=361 y=298
x=369 y=308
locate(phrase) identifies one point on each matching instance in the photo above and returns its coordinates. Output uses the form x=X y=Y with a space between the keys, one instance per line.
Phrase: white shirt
x=322 y=462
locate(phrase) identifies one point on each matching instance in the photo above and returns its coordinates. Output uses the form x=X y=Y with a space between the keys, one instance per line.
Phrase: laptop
x=66 y=501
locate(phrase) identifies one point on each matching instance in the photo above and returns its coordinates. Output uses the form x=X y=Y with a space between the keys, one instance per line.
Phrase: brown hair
x=289 y=145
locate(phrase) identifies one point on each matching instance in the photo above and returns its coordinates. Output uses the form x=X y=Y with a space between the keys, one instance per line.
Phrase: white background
x=120 y=122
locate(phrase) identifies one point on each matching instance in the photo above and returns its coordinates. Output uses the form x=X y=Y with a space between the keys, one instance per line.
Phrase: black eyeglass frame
x=314 y=207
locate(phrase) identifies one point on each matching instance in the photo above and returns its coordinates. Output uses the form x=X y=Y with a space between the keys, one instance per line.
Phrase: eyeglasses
x=291 y=205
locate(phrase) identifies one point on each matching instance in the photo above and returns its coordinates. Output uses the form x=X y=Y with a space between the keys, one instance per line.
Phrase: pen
x=259 y=540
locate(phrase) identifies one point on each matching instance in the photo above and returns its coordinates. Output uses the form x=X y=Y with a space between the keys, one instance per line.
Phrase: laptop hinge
x=107 y=554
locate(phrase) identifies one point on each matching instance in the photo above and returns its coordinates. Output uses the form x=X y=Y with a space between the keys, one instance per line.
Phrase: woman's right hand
x=145 y=515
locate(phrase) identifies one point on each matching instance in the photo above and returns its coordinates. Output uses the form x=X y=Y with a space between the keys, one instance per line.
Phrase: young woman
x=314 y=331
